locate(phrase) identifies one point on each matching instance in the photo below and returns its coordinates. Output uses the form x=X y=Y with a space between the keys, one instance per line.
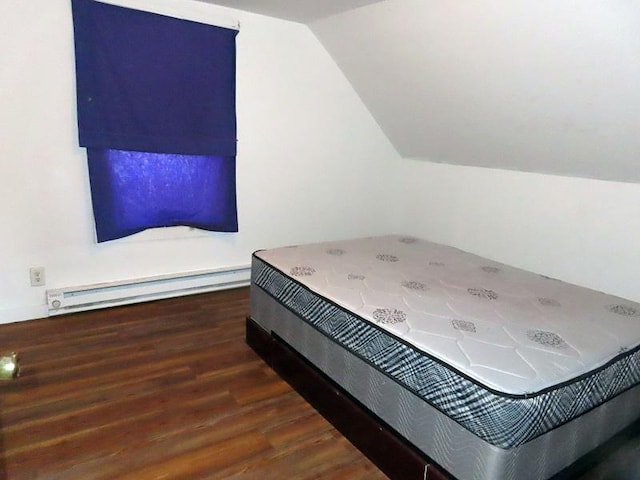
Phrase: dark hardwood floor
x=166 y=390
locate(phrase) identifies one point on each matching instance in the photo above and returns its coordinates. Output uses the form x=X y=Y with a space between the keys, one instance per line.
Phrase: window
x=156 y=112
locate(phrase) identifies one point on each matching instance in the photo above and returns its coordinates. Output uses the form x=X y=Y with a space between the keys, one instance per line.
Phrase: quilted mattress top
x=513 y=331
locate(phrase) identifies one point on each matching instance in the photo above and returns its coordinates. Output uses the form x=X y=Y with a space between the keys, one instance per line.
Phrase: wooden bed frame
x=374 y=438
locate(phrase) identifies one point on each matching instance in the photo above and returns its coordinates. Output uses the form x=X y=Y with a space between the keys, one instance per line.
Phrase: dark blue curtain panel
x=152 y=83
x=156 y=111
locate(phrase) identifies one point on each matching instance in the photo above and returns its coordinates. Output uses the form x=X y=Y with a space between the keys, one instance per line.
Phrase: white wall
x=582 y=231
x=311 y=160
x=312 y=165
x=547 y=86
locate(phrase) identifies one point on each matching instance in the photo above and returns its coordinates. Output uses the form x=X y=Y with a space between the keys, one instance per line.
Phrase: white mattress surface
x=512 y=331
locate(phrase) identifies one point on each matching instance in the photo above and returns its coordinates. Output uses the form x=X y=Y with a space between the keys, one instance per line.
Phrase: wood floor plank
x=166 y=389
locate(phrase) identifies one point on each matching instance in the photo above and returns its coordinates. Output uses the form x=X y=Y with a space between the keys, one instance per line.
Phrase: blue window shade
x=133 y=191
x=156 y=111
x=152 y=83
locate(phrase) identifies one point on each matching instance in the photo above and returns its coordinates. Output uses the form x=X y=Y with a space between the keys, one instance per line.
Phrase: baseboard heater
x=103 y=295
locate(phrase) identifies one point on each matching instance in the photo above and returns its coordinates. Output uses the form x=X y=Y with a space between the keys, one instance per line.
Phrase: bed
x=438 y=363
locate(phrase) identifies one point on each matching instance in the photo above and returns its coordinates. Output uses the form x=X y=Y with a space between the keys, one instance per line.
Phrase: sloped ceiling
x=303 y=11
x=549 y=86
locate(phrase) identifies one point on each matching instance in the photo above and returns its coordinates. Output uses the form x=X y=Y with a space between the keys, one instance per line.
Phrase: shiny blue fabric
x=134 y=191
x=153 y=83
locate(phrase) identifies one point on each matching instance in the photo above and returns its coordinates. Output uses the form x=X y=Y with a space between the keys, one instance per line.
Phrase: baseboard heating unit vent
x=102 y=295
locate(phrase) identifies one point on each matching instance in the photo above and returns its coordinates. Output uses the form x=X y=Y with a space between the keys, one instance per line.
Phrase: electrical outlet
x=37 y=276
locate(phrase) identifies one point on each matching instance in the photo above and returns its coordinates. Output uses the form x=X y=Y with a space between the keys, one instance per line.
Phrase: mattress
x=505 y=357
